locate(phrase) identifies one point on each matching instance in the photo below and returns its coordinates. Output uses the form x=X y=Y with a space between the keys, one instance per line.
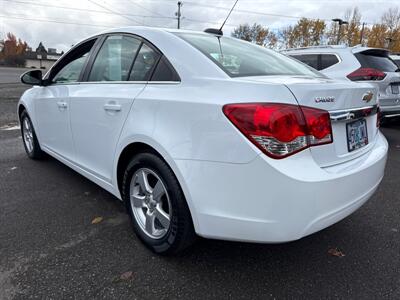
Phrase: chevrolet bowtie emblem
x=368 y=96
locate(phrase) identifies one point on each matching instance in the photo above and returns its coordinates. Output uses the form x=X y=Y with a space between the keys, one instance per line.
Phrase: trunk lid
x=344 y=101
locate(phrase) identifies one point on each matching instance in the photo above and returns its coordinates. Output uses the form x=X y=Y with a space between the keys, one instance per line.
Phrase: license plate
x=357 y=135
x=395 y=88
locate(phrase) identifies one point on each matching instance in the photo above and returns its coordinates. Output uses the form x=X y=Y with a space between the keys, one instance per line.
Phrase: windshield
x=239 y=58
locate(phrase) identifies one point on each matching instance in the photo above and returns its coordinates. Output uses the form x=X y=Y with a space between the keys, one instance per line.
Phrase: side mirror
x=33 y=77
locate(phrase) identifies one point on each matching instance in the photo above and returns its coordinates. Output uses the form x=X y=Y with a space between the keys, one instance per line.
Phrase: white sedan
x=201 y=134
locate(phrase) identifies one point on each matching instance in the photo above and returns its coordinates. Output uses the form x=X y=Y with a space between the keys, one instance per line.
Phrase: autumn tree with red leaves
x=12 y=51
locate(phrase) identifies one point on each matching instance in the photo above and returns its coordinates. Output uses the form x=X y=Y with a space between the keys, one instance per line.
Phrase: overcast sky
x=78 y=19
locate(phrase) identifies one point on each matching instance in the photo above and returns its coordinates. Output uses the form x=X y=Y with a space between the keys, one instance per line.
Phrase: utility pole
x=362 y=33
x=340 y=22
x=178 y=14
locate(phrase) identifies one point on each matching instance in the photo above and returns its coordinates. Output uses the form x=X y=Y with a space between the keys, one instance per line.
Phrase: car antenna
x=223 y=24
x=219 y=31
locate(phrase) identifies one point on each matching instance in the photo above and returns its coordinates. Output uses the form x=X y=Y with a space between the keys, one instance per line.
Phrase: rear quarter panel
x=187 y=121
x=184 y=121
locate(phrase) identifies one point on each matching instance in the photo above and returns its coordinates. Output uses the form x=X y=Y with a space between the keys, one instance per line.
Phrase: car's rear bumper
x=273 y=201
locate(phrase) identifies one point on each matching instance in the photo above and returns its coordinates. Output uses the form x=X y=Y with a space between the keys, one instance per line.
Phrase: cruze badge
x=368 y=96
x=324 y=99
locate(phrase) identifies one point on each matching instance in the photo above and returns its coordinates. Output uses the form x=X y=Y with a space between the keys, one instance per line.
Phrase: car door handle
x=62 y=104
x=112 y=107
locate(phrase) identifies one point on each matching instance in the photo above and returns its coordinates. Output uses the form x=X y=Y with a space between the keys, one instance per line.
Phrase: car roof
x=188 y=61
x=146 y=29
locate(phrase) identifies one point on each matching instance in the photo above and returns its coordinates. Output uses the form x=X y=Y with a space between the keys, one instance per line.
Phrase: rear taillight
x=278 y=129
x=363 y=74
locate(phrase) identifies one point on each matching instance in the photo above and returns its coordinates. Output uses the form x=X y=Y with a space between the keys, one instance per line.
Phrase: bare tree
x=352 y=31
x=255 y=33
x=391 y=19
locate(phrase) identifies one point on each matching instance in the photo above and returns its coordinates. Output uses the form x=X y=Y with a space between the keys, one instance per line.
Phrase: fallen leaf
x=336 y=252
x=126 y=276
x=97 y=220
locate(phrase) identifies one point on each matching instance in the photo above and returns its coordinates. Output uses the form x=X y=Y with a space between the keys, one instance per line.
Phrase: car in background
x=359 y=64
x=204 y=134
x=396 y=58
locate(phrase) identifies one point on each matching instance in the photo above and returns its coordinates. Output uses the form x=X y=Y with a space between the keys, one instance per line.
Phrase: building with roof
x=41 y=58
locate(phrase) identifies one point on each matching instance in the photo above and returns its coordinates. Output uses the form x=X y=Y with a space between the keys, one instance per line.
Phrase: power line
x=236 y=10
x=115 y=12
x=127 y=16
x=112 y=13
x=27 y=18
x=244 y=11
x=146 y=9
x=247 y=11
x=82 y=9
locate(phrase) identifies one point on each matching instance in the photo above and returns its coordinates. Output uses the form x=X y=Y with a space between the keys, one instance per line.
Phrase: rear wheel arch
x=21 y=109
x=126 y=155
x=135 y=148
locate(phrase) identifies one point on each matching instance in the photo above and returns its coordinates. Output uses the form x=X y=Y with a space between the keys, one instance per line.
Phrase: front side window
x=114 y=60
x=68 y=70
x=238 y=58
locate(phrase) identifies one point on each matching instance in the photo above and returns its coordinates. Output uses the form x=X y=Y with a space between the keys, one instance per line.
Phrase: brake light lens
x=363 y=74
x=280 y=130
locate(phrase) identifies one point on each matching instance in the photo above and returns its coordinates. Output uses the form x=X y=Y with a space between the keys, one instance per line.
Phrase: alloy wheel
x=150 y=203
x=27 y=134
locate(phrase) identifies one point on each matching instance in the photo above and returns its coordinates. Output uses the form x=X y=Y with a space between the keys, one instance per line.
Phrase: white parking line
x=8 y=127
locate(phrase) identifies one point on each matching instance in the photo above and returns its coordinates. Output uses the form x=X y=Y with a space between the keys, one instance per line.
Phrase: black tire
x=35 y=152
x=180 y=234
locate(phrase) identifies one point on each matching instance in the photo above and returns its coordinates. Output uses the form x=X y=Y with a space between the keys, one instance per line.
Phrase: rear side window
x=318 y=61
x=327 y=60
x=145 y=62
x=376 y=60
x=114 y=59
x=308 y=59
x=164 y=71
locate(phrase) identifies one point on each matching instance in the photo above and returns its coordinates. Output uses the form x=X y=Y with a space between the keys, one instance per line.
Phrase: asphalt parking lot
x=49 y=248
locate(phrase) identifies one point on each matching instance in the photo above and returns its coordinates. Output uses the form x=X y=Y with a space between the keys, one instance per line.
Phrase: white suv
x=357 y=64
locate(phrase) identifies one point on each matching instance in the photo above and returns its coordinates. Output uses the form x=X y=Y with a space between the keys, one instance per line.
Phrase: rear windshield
x=376 y=60
x=238 y=58
x=397 y=61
